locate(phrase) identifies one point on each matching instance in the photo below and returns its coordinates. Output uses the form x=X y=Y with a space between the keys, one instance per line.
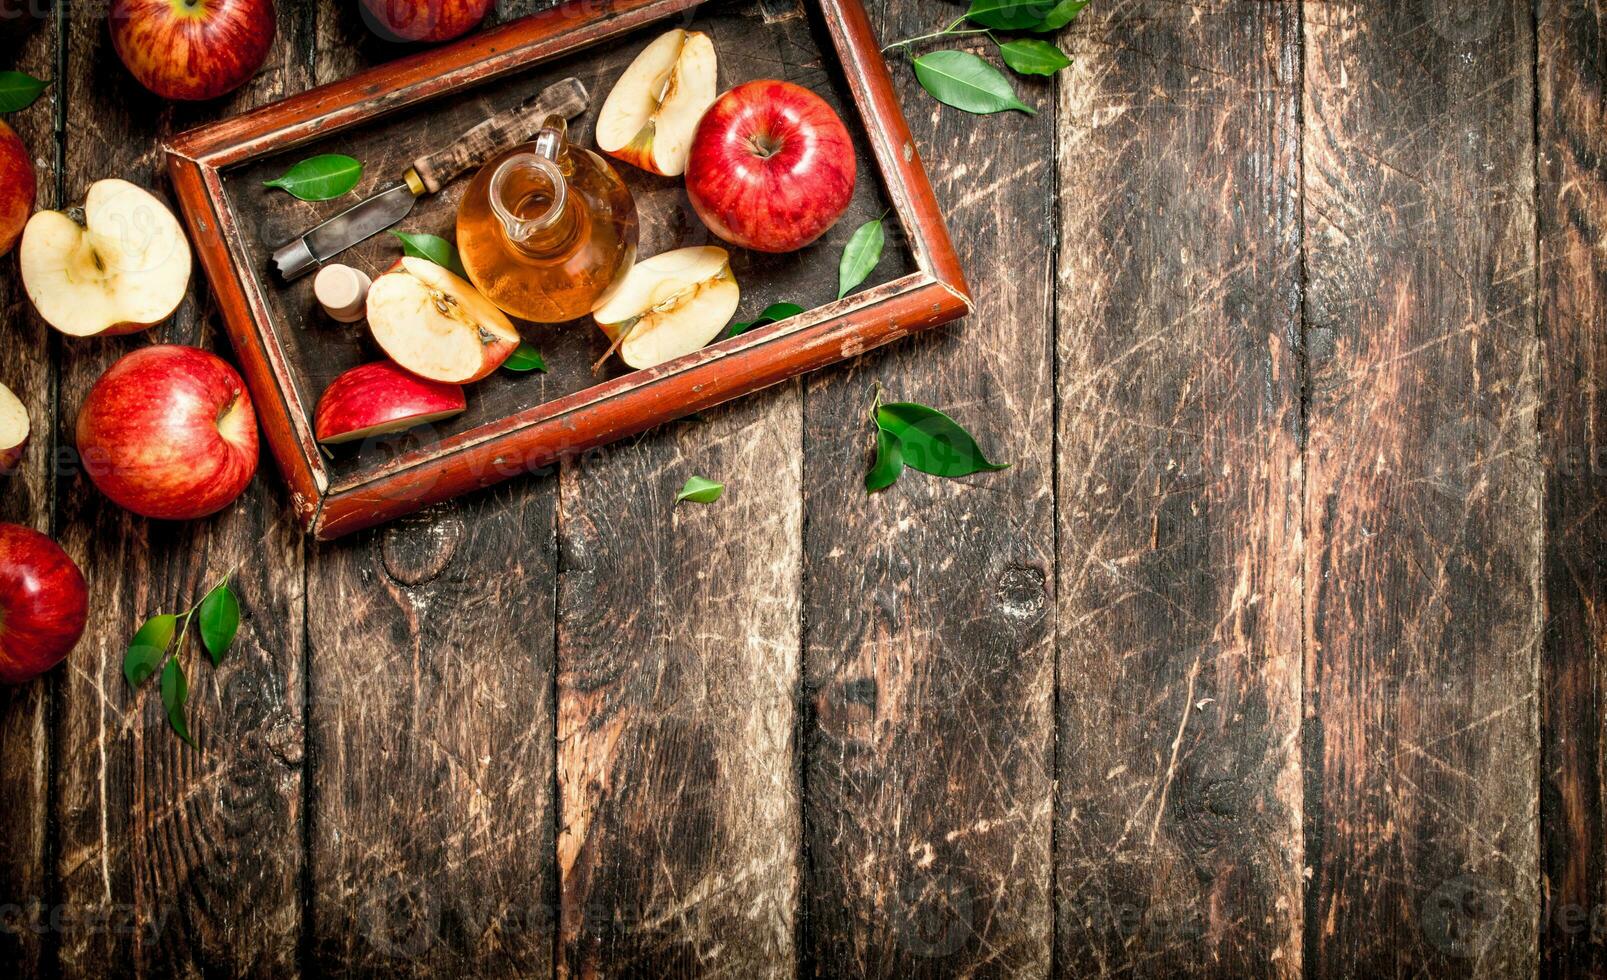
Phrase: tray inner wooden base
x=751 y=42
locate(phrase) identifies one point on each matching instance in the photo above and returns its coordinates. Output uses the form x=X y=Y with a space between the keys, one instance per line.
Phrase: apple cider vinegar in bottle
x=545 y=228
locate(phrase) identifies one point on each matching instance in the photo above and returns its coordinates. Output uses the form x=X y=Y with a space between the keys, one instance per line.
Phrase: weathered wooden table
x=1278 y=651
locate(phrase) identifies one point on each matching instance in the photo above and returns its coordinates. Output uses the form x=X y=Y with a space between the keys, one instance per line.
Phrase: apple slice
x=13 y=430
x=123 y=270
x=669 y=305
x=436 y=325
x=650 y=116
x=380 y=398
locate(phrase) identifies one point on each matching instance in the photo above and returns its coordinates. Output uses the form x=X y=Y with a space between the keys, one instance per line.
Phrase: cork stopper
x=342 y=291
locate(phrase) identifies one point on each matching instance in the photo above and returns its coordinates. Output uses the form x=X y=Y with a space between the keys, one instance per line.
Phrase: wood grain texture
x=1178 y=481
x=1572 y=205
x=172 y=859
x=1423 y=490
x=27 y=367
x=431 y=720
x=678 y=655
x=928 y=660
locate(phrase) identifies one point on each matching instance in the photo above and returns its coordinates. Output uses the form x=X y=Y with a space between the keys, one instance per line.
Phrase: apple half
x=124 y=269
x=669 y=305
x=14 y=429
x=653 y=110
x=437 y=325
x=381 y=398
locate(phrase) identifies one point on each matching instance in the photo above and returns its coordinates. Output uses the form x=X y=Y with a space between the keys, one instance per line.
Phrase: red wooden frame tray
x=517 y=423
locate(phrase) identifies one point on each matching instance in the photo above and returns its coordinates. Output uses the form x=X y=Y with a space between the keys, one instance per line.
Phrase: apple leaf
x=18 y=90
x=146 y=650
x=1063 y=13
x=774 y=313
x=932 y=442
x=175 y=694
x=319 y=178
x=964 y=81
x=1033 y=57
x=220 y=618
x=889 y=461
x=434 y=248
x=526 y=358
x=700 y=491
x=1009 y=15
x=860 y=257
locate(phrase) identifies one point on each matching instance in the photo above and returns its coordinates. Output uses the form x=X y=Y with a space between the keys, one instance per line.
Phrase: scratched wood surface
x=1277 y=652
x=1178 y=819
x=1572 y=203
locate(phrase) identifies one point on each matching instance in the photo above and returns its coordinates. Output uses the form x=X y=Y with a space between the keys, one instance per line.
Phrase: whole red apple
x=17 y=187
x=43 y=604
x=423 y=20
x=192 y=49
x=169 y=432
x=772 y=166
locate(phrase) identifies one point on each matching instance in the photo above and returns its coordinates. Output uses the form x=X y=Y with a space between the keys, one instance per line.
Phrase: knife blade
x=355 y=224
x=426 y=176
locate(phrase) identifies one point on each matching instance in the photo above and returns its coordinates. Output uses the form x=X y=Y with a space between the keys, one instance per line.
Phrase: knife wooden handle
x=502 y=131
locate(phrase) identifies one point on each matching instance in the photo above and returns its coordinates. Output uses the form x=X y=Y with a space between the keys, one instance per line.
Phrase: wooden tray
x=289 y=351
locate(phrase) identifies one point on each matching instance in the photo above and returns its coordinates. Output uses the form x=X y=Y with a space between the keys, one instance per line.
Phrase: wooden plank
x=1178 y=816
x=173 y=859
x=1423 y=490
x=27 y=367
x=678 y=656
x=431 y=716
x=928 y=661
x=1572 y=206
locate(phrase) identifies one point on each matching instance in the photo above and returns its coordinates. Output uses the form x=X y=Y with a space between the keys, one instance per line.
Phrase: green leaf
x=889 y=461
x=1063 y=13
x=774 y=313
x=860 y=257
x=932 y=442
x=433 y=247
x=319 y=178
x=964 y=81
x=526 y=358
x=1033 y=57
x=1009 y=15
x=175 y=694
x=220 y=618
x=146 y=650
x=19 y=90
x=700 y=491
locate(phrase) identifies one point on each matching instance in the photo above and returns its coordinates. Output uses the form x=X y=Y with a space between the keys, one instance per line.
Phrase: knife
x=427 y=175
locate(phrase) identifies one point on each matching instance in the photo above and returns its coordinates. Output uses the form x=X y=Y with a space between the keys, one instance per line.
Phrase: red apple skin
x=18 y=187
x=169 y=432
x=44 y=604
x=428 y=21
x=192 y=50
x=776 y=201
x=381 y=394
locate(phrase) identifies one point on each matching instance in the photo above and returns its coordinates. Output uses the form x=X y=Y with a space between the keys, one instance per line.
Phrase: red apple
x=43 y=604
x=17 y=187
x=192 y=49
x=169 y=432
x=381 y=398
x=772 y=166
x=423 y=20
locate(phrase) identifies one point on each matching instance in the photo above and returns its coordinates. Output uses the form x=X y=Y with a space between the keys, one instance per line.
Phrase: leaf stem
x=948 y=31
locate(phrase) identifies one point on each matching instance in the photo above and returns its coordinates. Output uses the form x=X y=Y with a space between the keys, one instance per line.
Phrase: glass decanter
x=545 y=228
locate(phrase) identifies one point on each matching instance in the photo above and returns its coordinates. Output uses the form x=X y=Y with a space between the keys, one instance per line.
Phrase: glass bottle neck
x=530 y=195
